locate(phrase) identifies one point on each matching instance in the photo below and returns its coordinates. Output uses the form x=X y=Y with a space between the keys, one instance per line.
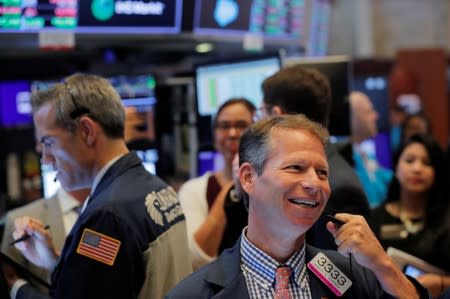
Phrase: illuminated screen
x=92 y=16
x=209 y=160
x=138 y=96
x=218 y=82
x=15 y=106
x=271 y=18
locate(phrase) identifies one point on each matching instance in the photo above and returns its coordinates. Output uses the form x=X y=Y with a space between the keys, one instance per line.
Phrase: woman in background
x=203 y=199
x=414 y=217
x=416 y=123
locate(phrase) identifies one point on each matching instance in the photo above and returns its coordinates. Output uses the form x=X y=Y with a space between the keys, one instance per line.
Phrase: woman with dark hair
x=414 y=216
x=204 y=199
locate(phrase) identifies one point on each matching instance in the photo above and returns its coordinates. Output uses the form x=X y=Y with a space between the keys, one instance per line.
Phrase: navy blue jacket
x=142 y=212
x=223 y=279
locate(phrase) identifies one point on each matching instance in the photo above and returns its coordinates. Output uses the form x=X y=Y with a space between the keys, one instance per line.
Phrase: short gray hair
x=255 y=145
x=81 y=94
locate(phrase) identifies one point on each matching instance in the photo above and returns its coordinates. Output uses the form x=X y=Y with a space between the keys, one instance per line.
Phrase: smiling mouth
x=304 y=203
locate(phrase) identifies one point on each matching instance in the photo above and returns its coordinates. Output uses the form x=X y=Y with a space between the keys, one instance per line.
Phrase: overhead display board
x=276 y=19
x=92 y=16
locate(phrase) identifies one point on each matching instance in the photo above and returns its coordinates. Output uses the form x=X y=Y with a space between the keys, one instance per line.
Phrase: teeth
x=304 y=202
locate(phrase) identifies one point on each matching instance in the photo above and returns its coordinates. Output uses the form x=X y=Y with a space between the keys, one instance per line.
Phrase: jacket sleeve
x=28 y=291
x=192 y=197
x=84 y=274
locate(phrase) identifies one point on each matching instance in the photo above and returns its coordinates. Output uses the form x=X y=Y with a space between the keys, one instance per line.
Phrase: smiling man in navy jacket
x=284 y=171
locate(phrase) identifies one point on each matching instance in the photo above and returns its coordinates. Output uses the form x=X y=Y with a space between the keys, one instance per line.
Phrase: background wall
x=389 y=24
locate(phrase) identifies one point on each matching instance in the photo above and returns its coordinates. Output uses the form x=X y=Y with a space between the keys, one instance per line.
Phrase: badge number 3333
x=329 y=274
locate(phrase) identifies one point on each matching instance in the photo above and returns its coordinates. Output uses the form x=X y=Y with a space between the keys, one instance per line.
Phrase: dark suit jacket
x=142 y=212
x=347 y=196
x=223 y=279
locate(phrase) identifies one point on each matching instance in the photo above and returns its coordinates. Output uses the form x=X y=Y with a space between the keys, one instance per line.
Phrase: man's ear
x=88 y=130
x=246 y=176
x=276 y=110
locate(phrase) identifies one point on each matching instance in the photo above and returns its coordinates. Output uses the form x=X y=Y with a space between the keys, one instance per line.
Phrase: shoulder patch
x=99 y=247
x=163 y=206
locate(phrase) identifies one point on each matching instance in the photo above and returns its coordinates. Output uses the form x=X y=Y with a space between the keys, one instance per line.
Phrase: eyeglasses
x=227 y=125
x=79 y=110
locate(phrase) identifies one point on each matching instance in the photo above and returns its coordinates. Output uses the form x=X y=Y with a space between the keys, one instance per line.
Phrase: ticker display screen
x=91 y=16
x=283 y=19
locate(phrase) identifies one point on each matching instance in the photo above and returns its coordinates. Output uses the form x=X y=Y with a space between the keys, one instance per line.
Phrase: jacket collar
x=226 y=276
x=124 y=163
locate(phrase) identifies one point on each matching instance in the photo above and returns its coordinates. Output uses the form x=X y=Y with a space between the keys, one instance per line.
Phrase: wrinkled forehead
x=304 y=138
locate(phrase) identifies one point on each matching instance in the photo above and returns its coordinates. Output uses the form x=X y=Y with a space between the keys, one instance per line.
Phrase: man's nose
x=46 y=158
x=311 y=182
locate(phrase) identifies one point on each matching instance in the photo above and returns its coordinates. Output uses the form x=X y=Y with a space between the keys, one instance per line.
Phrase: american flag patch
x=98 y=246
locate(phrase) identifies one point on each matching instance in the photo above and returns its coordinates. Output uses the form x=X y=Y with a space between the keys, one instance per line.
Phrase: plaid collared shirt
x=259 y=272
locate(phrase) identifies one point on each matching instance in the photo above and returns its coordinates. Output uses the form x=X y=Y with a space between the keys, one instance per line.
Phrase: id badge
x=329 y=274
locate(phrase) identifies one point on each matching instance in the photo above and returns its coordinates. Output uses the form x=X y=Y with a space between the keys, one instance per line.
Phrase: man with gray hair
x=297 y=89
x=284 y=171
x=130 y=239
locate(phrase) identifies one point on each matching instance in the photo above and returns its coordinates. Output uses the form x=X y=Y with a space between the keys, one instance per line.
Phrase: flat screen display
x=138 y=96
x=282 y=19
x=15 y=106
x=217 y=82
x=92 y=16
x=209 y=160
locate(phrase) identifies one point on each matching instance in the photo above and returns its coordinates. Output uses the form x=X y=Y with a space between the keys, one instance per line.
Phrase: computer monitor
x=273 y=20
x=15 y=106
x=138 y=96
x=149 y=159
x=92 y=17
x=219 y=81
x=209 y=160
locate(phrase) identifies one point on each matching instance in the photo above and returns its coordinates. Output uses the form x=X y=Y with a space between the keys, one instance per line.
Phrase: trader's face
x=61 y=149
x=230 y=125
x=290 y=194
x=414 y=170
